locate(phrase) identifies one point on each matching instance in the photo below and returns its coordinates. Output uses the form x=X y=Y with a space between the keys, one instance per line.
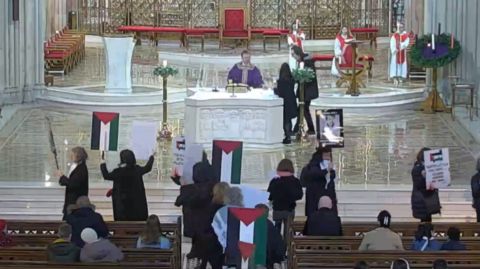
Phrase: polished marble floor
x=380 y=149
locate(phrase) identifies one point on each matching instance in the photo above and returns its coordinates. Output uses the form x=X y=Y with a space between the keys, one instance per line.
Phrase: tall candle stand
x=165 y=71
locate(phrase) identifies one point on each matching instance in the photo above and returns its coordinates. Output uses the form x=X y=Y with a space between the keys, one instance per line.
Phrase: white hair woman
x=76 y=181
x=476 y=190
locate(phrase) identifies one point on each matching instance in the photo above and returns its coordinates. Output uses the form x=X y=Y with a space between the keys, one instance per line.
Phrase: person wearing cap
x=382 y=238
x=453 y=240
x=5 y=239
x=98 y=249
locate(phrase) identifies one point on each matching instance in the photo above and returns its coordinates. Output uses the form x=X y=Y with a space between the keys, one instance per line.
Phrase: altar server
x=340 y=48
x=245 y=72
x=76 y=182
x=286 y=89
x=398 y=46
x=295 y=38
x=129 y=198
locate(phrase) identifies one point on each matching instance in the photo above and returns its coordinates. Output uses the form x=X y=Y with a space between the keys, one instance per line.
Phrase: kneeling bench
x=270 y=33
x=328 y=58
x=370 y=33
x=198 y=33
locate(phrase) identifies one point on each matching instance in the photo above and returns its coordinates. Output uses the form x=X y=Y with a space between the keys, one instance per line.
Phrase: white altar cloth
x=254 y=117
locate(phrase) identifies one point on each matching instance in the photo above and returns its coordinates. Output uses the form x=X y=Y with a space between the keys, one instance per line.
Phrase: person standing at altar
x=310 y=88
x=398 y=61
x=246 y=73
x=340 y=48
x=286 y=90
x=295 y=38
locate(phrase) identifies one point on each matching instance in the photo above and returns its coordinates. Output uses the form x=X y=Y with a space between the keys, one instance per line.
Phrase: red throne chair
x=346 y=68
x=234 y=22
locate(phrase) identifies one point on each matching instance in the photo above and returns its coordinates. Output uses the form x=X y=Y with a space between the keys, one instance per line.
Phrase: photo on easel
x=329 y=128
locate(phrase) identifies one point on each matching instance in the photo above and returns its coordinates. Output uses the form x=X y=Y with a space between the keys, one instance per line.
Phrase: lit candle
x=453 y=40
x=433 y=41
x=439 y=27
x=164 y=63
x=296 y=24
x=301 y=65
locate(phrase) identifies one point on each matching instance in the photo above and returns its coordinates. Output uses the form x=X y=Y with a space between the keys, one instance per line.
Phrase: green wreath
x=420 y=60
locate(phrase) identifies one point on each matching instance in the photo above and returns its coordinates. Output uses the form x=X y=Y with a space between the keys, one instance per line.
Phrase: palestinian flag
x=227 y=160
x=246 y=236
x=105 y=131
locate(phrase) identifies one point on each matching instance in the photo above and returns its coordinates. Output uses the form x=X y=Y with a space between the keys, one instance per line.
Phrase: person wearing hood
x=424 y=239
x=128 y=199
x=196 y=199
x=5 y=239
x=83 y=215
x=62 y=250
x=453 y=240
x=324 y=222
x=285 y=190
x=319 y=178
x=382 y=238
x=421 y=192
x=475 y=184
x=310 y=88
x=98 y=249
x=285 y=89
x=176 y=177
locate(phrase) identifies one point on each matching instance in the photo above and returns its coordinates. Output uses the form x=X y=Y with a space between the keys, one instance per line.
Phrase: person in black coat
x=314 y=179
x=285 y=190
x=82 y=215
x=420 y=190
x=197 y=197
x=310 y=88
x=323 y=222
x=129 y=199
x=76 y=182
x=475 y=184
x=276 y=247
x=286 y=89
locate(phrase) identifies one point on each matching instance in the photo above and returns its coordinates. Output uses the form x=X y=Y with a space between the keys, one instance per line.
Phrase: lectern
x=118 y=63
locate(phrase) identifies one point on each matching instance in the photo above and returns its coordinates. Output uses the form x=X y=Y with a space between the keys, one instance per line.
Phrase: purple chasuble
x=246 y=74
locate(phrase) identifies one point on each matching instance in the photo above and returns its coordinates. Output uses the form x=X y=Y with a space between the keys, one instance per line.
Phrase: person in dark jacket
x=276 y=247
x=83 y=215
x=318 y=177
x=324 y=222
x=285 y=190
x=400 y=264
x=62 y=250
x=475 y=184
x=175 y=174
x=129 y=199
x=310 y=88
x=197 y=197
x=421 y=191
x=286 y=90
x=440 y=264
x=453 y=240
x=76 y=182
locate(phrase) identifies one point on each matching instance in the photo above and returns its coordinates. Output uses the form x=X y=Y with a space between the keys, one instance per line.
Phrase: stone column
x=29 y=49
x=39 y=33
x=3 y=48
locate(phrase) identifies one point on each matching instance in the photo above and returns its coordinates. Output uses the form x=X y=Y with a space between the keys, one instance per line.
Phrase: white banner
x=437 y=168
x=178 y=151
x=253 y=196
x=193 y=155
x=144 y=138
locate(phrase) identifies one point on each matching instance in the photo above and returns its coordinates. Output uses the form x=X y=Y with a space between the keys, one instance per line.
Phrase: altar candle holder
x=165 y=71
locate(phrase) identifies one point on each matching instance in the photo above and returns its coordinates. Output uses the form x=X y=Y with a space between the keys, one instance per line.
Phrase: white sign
x=193 y=155
x=179 y=147
x=144 y=138
x=437 y=168
x=253 y=196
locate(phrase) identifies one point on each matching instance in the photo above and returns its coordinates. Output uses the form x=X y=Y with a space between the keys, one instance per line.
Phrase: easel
x=434 y=102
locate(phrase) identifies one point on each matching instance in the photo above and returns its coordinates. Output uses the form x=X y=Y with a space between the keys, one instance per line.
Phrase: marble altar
x=254 y=117
x=118 y=63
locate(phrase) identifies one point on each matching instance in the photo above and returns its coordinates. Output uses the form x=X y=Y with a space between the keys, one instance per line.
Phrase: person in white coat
x=339 y=48
x=398 y=61
x=295 y=38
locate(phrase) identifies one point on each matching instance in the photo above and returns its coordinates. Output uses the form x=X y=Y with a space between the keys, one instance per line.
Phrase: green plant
x=420 y=56
x=304 y=75
x=165 y=71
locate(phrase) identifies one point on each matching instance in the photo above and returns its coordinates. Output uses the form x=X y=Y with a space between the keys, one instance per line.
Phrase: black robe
x=314 y=179
x=475 y=185
x=76 y=185
x=286 y=89
x=129 y=198
x=324 y=222
x=311 y=88
x=419 y=193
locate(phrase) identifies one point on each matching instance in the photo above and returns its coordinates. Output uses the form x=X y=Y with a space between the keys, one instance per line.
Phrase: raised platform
x=217 y=58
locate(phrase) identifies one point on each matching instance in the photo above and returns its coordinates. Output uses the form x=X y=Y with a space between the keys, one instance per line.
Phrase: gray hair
x=80 y=154
x=234 y=196
x=82 y=202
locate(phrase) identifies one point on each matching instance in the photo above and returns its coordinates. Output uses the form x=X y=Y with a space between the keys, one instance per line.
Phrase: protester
x=475 y=184
x=440 y=264
x=152 y=236
x=175 y=174
x=425 y=201
x=361 y=265
x=209 y=248
x=453 y=240
x=382 y=238
x=98 y=249
x=276 y=247
x=83 y=215
x=285 y=190
x=315 y=179
x=128 y=199
x=76 y=182
x=62 y=250
x=400 y=264
x=424 y=238
x=286 y=90
x=324 y=222
x=5 y=239
x=197 y=198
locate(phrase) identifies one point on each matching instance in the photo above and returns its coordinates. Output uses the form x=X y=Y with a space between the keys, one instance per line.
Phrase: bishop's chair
x=234 y=18
x=346 y=68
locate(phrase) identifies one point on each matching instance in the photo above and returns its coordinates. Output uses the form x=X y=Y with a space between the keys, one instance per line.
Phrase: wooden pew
x=52 y=265
x=42 y=240
x=381 y=266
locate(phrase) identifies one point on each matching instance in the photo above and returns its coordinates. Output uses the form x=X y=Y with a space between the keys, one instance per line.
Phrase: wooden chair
x=346 y=69
x=234 y=18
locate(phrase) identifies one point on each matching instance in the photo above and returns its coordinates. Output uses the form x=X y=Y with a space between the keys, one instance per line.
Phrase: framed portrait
x=329 y=128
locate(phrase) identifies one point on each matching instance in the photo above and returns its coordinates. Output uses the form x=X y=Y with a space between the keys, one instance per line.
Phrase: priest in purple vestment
x=246 y=73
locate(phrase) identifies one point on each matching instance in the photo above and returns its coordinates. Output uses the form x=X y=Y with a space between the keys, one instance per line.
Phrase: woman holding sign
x=425 y=201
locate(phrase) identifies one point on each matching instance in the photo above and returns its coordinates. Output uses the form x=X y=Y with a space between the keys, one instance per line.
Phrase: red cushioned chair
x=346 y=69
x=234 y=22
